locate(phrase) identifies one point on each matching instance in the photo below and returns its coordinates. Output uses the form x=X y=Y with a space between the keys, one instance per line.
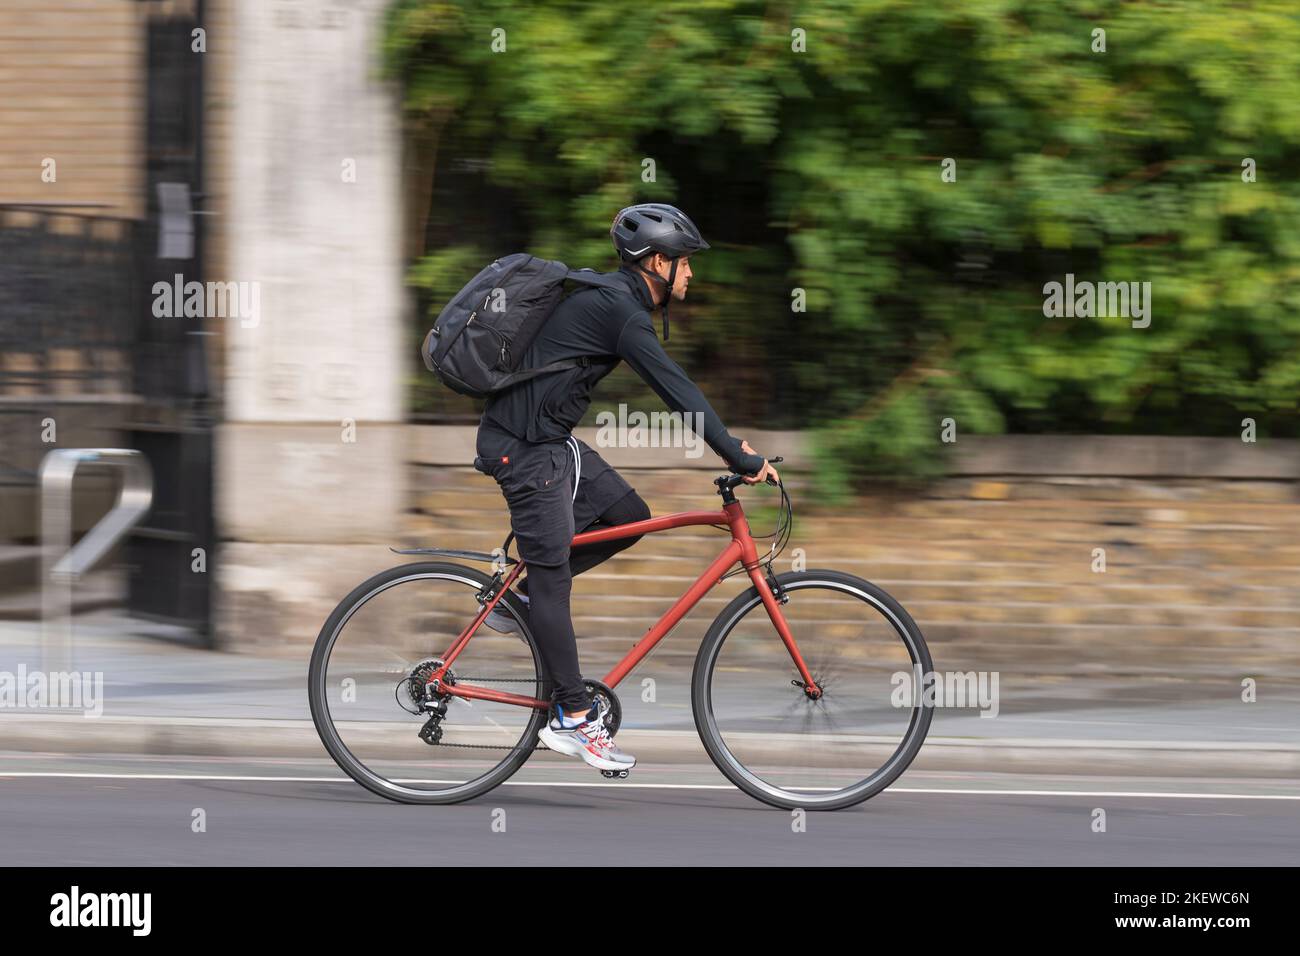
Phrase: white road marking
x=243 y=778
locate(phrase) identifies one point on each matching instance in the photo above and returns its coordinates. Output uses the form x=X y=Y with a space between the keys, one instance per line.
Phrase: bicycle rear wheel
x=782 y=747
x=366 y=690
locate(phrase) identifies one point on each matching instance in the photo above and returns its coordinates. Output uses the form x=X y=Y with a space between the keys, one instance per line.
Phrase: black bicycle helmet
x=650 y=227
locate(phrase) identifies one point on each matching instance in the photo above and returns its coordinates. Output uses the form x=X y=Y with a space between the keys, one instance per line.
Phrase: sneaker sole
x=566 y=745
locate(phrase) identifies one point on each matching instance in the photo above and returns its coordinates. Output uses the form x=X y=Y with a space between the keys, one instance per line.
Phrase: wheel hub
x=415 y=686
x=813 y=691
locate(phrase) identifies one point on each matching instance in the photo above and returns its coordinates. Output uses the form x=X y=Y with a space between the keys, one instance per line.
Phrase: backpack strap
x=597 y=280
x=524 y=374
x=586 y=277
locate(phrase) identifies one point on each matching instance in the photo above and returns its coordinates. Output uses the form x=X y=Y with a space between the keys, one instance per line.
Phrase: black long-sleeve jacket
x=605 y=326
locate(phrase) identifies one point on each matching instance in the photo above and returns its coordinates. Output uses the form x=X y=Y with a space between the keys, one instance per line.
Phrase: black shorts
x=537 y=482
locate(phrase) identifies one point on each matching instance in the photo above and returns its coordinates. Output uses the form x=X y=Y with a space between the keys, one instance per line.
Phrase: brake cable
x=781 y=534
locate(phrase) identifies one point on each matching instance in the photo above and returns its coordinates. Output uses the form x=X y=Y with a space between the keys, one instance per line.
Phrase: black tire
x=712 y=738
x=318 y=695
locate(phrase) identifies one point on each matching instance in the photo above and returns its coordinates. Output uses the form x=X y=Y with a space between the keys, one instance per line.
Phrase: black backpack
x=478 y=341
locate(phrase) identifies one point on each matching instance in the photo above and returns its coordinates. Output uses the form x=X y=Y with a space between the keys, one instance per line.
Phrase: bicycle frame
x=741 y=548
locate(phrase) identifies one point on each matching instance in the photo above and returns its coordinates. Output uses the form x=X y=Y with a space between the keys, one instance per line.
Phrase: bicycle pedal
x=613 y=774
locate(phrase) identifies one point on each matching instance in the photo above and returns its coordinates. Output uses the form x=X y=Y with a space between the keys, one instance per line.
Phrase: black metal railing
x=70 y=301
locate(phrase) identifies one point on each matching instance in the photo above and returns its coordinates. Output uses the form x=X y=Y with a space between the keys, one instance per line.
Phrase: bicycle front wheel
x=785 y=748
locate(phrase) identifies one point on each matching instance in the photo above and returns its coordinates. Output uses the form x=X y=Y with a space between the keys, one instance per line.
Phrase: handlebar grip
x=736 y=478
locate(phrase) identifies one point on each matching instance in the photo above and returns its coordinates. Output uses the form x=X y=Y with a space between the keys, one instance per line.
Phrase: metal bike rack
x=62 y=564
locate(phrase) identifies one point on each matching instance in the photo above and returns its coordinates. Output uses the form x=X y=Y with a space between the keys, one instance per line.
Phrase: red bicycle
x=808 y=690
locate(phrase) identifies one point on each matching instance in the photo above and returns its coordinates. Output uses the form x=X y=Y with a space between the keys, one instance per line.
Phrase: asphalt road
x=138 y=811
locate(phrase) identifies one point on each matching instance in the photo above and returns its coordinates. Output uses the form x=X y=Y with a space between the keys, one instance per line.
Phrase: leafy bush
x=821 y=170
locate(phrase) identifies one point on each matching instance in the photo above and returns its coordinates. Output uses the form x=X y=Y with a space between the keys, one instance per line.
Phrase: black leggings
x=548 y=590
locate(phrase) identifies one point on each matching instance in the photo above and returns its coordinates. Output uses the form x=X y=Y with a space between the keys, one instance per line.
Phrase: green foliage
x=821 y=171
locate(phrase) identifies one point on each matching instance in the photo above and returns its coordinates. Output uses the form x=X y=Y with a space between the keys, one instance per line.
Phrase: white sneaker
x=502 y=621
x=588 y=740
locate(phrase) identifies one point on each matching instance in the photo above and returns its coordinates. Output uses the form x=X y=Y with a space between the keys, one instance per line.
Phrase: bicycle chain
x=502 y=680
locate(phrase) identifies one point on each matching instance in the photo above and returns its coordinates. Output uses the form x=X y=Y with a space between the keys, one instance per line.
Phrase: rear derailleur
x=427 y=698
x=431 y=732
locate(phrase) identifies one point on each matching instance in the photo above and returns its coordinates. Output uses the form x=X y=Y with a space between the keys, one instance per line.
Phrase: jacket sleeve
x=640 y=348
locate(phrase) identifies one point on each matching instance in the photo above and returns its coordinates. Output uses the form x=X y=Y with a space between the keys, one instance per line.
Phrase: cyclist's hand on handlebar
x=766 y=473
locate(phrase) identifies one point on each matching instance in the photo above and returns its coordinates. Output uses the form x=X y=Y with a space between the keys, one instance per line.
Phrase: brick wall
x=1202 y=575
x=71 y=89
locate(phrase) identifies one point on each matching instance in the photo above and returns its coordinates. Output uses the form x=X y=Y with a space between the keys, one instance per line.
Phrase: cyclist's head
x=660 y=268
x=658 y=239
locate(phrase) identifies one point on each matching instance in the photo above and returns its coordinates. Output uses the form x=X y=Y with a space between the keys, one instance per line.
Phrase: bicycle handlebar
x=728 y=482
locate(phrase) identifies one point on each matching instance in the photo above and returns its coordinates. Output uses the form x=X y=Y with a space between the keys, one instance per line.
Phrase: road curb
x=297 y=739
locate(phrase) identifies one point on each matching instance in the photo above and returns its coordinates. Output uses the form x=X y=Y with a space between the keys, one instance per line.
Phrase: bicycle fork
x=773 y=596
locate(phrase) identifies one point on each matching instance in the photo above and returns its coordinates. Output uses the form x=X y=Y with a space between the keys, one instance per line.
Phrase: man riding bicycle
x=556 y=485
